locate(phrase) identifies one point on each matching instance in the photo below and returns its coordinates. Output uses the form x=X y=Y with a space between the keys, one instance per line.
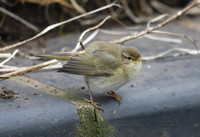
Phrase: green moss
x=92 y=124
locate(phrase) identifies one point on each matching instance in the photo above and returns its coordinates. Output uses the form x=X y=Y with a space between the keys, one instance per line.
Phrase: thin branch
x=22 y=71
x=148 y=36
x=6 y=68
x=81 y=44
x=156 y=19
x=163 y=39
x=88 y=39
x=5 y=55
x=57 y=25
x=180 y=35
x=158 y=26
x=77 y=7
x=29 y=25
x=161 y=55
x=94 y=20
x=90 y=29
x=12 y=56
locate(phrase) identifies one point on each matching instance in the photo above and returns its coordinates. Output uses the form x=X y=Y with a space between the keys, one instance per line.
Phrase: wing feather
x=97 y=64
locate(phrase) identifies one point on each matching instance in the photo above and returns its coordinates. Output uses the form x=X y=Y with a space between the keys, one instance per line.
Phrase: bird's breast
x=101 y=84
x=133 y=69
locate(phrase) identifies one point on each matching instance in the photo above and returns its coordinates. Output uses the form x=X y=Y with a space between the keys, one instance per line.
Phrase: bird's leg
x=96 y=105
x=112 y=93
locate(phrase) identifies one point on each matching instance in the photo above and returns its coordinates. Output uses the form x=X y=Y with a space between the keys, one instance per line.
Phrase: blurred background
x=42 y=13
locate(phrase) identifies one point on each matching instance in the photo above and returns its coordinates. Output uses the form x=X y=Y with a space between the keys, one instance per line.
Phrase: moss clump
x=92 y=124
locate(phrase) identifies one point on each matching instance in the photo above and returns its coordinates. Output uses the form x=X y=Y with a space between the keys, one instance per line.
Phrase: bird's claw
x=112 y=93
x=96 y=105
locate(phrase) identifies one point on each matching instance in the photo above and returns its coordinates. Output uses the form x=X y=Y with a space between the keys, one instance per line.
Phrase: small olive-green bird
x=105 y=66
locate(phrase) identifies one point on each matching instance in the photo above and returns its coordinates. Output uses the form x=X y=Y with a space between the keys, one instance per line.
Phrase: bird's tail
x=64 y=57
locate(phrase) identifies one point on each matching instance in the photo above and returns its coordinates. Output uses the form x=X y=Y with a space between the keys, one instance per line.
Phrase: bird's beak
x=140 y=59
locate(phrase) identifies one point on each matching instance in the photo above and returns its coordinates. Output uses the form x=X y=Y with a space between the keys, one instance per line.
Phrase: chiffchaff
x=106 y=66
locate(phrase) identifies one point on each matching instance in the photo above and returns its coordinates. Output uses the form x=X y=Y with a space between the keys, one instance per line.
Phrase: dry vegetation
x=84 y=13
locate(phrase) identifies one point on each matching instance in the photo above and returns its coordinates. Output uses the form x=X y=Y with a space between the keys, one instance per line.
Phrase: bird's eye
x=129 y=58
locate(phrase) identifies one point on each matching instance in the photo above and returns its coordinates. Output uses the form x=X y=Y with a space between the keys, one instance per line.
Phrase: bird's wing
x=98 y=64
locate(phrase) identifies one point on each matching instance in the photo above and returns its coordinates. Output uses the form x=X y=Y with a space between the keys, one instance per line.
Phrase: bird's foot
x=96 y=105
x=112 y=93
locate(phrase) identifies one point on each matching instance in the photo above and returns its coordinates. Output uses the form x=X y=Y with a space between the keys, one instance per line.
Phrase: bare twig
x=148 y=36
x=93 y=20
x=81 y=44
x=90 y=29
x=163 y=39
x=5 y=55
x=6 y=68
x=22 y=71
x=77 y=7
x=180 y=35
x=57 y=25
x=9 y=58
x=163 y=23
x=29 y=25
x=156 y=19
x=88 y=39
x=161 y=55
